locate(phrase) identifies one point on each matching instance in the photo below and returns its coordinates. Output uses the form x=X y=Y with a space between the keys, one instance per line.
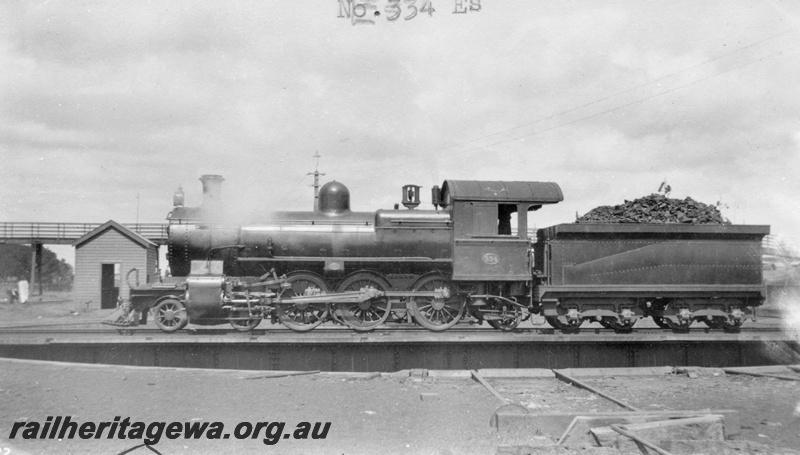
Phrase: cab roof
x=476 y=190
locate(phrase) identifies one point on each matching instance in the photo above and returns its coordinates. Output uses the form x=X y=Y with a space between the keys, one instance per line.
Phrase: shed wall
x=109 y=247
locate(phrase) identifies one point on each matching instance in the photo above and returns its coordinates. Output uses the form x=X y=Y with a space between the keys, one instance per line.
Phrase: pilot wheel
x=170 y=315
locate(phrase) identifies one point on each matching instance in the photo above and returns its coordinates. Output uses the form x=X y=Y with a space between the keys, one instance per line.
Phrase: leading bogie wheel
x=170 y=315
x=300 y=316
x=369 y=314
x=436 y=314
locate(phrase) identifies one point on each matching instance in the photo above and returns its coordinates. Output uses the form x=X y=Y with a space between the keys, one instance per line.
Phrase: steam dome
x=334 y=198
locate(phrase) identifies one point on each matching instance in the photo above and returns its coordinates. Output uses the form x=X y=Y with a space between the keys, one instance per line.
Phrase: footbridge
x=67 y=233
x=37 y=234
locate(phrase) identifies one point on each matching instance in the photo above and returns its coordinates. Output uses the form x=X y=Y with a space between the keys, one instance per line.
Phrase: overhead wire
x=621 y=92
x=405 y=162
x=621 y=106
x=290 y=190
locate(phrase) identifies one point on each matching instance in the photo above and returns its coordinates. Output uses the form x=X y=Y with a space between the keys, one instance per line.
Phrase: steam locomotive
x=470 y=258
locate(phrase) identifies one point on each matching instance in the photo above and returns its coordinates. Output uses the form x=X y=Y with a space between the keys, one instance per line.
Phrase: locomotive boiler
x=472 y=257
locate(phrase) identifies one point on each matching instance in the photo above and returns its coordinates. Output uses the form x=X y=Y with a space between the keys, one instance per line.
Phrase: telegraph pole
x=316 y=175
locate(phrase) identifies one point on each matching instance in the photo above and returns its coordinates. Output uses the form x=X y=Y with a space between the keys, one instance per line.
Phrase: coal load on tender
x=658 y=209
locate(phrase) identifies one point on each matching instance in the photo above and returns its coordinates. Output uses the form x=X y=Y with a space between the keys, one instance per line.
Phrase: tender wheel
x=302 y=317
x=364 y=316
x=245 y=325
x=432 y=313
x=555 y=323
x=669 y=324
x=564 y=326
x=617 y=326
x=170 y=315
x=659 y=320
x=714 y=323
x=728 y=326
x=725 y=324
x=665 y=322
x=509 y=317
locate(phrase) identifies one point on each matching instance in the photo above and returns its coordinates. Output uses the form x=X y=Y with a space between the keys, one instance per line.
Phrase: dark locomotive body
x=473 y=258
x=330 y=246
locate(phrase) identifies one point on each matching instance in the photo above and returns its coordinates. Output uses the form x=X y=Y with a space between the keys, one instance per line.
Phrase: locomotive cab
x=485 y=247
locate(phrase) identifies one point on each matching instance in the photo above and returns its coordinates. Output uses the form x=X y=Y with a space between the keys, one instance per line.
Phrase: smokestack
x=212 y=195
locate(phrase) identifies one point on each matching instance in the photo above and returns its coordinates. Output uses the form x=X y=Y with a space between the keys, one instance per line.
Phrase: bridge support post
x=36 y=266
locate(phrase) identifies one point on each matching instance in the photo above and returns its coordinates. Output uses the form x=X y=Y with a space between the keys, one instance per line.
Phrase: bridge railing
x=72 y=231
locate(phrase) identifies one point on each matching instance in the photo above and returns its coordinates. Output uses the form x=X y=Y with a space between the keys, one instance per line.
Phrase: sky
x=107 y=107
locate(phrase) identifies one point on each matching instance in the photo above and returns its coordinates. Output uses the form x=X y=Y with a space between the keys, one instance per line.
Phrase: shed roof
x=475 y=190
x=111 y=224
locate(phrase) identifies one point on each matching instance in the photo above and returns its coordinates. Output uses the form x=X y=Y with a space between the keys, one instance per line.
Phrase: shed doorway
x=109 y=285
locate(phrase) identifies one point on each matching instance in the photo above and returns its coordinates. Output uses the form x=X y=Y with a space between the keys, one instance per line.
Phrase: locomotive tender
x=461 y=261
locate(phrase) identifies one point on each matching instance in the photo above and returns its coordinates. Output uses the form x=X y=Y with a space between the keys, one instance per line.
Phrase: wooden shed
x=103 y=258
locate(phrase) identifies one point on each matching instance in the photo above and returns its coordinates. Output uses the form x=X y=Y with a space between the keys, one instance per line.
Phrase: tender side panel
x=664 y=262
x=581 y=255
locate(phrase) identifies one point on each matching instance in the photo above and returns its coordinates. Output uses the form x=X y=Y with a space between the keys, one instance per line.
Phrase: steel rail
x=489 y=387
x=107 y=328
x=761 y=375
x=581 y=385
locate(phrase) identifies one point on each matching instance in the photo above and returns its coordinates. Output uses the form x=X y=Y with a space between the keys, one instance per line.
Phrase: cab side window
x=504 y=212
x=484 y=219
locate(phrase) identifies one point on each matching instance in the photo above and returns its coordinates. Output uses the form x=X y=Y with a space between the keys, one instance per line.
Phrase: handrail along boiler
x=462 y=260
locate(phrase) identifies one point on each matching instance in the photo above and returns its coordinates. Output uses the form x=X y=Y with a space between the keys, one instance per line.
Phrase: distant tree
x=15 y=261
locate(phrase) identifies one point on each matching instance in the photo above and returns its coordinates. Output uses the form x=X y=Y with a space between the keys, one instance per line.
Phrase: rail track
x=98 y=328
x=334 y=348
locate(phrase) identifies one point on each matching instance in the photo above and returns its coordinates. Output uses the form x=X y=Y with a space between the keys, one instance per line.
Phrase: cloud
x=102 y=101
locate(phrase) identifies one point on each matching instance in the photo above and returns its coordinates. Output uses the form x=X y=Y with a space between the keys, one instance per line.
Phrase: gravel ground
x=769 y=407
x=367 y=416
x=369 y=413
